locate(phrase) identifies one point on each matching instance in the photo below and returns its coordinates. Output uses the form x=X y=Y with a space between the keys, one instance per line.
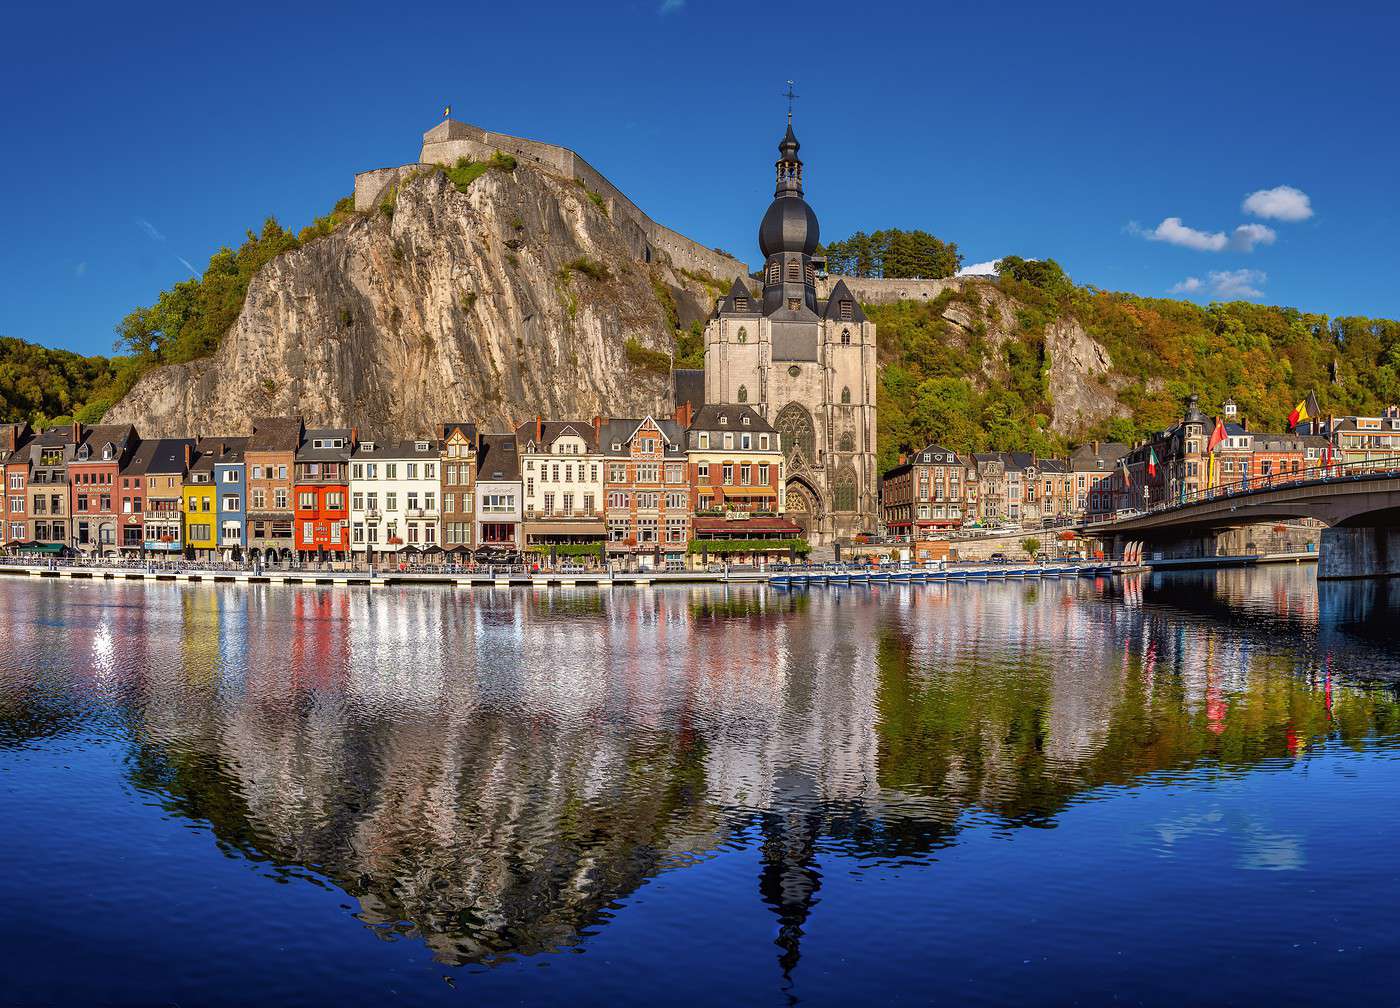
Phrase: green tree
x=1031 y=546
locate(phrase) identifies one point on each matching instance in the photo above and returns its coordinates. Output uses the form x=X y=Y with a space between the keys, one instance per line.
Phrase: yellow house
x=201 y=513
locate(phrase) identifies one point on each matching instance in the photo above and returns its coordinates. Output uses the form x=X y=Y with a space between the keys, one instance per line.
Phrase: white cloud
x=150 y=229
x=1240 y=283
x=988 y=268
x=1283 y=203
x=1229 y=284
x=670 y=6
x=1247 y=236
x=1172 y=231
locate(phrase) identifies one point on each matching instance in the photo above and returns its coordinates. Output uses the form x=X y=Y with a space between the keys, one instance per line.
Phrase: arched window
x=847 y=441
x=846 y=395
x=795 y=425
x=844 y=489
x=743 y=335
x=845 y=337
x=794 y=271
x=743 y=393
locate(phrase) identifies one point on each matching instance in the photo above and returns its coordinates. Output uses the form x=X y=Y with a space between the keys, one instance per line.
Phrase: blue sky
x=1123 y=142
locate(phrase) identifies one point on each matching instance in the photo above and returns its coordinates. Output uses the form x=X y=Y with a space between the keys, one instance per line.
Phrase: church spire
x=789 y=165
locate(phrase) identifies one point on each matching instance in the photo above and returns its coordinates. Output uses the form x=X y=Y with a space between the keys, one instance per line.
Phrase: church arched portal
x=804 y=507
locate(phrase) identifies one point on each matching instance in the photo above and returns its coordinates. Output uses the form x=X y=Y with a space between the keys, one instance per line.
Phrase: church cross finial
x=790 y=95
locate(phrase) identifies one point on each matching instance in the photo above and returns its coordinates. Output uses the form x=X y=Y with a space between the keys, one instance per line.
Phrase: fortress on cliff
x=650 y=241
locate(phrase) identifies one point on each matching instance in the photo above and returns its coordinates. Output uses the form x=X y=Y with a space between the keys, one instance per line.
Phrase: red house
x=321 y=519
x=94 y=481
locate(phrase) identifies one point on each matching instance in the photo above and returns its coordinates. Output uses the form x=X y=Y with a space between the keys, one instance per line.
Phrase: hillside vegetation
x=935 y=384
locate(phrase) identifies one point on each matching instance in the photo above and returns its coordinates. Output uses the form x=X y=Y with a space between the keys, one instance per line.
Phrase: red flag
x=1216 y=436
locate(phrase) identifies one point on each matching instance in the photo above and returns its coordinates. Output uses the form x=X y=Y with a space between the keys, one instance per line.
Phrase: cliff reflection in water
x=492 y=773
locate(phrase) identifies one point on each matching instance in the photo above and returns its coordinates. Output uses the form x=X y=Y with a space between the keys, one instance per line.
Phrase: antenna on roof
x=791 y=96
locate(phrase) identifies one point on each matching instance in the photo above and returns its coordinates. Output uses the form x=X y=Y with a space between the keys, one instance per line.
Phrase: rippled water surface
x=1174 y=790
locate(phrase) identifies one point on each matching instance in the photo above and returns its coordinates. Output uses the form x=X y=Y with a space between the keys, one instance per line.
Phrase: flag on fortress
x=1305 y=410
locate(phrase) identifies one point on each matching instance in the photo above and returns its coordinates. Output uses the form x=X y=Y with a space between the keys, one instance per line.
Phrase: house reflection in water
x=491 y=773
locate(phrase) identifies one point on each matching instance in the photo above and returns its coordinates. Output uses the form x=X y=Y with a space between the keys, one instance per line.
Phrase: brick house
x=648 y=493
x=458 y=486
x=93 y=478
x=925 y=494
x=14 y=470
x=270 y=460
x=735 y=462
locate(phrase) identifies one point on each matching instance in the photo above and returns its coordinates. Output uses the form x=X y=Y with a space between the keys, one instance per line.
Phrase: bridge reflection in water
x=494 y=775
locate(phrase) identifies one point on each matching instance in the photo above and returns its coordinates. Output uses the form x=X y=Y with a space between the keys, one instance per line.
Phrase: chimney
x=188 y=449
x=539 y=429
x=685 y=414
x=903 y=458
x=77 y=433
x=354 y=437
x=1096 y=449
x=597 y=427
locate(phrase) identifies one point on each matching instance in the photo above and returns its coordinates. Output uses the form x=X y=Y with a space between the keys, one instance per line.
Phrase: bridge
x=1358 y=502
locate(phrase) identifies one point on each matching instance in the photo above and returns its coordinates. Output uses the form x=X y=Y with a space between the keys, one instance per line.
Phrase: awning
x=729 y=491
x=564 y=527
x=38 y=547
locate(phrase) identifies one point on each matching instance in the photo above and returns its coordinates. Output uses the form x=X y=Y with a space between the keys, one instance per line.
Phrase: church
x=807 y=365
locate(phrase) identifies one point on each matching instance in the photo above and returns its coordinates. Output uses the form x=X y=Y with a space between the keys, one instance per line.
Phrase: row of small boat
x=795 y=576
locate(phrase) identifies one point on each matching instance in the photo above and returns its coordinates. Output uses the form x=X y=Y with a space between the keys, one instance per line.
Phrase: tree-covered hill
x=943 y=381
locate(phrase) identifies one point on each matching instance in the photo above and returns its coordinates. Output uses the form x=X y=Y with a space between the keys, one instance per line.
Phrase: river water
x=1165 y=790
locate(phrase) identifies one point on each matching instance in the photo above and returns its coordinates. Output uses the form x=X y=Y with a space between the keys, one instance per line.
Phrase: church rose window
x=795 y=425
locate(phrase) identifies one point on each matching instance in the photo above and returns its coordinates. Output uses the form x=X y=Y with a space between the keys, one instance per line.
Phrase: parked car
x=998 y=558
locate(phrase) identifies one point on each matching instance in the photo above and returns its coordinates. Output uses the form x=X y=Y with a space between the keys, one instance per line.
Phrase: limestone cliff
x=517 y=295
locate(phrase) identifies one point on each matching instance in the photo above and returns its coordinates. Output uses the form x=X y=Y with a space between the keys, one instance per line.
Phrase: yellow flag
x=447 y=112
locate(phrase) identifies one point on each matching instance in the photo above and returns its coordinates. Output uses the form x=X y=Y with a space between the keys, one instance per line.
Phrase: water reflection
x=492 y=773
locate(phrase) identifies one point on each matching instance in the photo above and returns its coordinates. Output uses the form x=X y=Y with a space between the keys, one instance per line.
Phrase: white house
x=395 y=491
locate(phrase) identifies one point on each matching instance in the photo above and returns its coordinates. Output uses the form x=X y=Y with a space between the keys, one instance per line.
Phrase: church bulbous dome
x=788 y=226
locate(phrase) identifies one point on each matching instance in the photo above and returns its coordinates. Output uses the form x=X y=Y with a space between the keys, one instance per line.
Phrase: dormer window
x=367 y=446
x=744 y=420
x=617 y=446
x=108 y=452
x=421 y=446
x=723 y=420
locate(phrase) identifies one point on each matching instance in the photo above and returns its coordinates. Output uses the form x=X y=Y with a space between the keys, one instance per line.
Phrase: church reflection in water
x=491 y=773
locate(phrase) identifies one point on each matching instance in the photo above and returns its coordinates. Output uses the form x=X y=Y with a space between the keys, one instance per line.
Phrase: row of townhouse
x=937 y=490
x=644 y=485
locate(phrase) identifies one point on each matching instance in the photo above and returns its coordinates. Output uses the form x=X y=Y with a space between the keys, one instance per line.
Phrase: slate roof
x=1101 y=458
x=620 y=432
x=395 y=448
x=551 y=430
x=498 y=461
x=160 y=456
x=841 y=293
x=708 y=419
x=275 y=434
x=308 y=452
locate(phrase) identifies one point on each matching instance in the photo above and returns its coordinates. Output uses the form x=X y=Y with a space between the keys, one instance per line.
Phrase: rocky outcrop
x=519 y=295
x=1083 y=388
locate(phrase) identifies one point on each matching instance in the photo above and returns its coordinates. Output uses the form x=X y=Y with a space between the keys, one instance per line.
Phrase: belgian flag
x=1305 y=410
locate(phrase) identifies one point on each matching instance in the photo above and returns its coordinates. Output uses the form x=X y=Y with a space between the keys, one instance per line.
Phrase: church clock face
x=794 y=370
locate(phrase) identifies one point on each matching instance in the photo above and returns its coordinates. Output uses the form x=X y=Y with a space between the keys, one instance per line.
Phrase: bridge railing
x=1337 y=472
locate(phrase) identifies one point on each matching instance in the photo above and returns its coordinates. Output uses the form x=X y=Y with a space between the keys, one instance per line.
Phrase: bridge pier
x=1359 y=553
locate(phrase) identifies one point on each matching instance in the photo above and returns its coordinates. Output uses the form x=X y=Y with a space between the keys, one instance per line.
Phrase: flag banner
x=1151 y=463
x=1216 y=436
